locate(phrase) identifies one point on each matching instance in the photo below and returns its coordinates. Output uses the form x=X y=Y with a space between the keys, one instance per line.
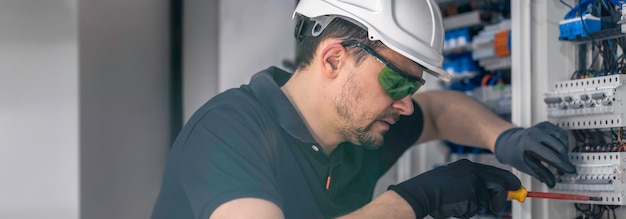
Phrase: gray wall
x=124 y=105
x=253 y=35
x=84 y=107
x=38 y=109
x=226 y=42
x=201 y=52
x=84 y=95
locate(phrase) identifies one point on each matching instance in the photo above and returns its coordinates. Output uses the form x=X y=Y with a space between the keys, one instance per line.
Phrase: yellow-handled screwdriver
x=521 y=194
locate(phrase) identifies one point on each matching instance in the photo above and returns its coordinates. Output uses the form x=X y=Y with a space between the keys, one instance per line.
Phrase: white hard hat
x=413 y=28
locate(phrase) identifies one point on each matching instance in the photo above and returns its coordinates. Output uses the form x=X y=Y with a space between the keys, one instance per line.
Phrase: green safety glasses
x=395 y=82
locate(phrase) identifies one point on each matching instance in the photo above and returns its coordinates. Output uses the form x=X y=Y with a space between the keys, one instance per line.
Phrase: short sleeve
x=401 y=136
x=225 y=157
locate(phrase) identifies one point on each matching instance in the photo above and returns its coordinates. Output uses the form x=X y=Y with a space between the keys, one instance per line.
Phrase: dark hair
x=340 y=29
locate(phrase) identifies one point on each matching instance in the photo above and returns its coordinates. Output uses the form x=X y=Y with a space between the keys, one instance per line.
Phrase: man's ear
x=333 y=57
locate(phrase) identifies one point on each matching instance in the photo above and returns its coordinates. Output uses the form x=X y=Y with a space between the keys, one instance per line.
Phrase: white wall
x=253 y=35
x=124 y=105
x=552 y=61
x=39 y=109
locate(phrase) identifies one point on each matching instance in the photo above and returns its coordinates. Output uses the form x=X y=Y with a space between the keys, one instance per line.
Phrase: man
x=313 y=144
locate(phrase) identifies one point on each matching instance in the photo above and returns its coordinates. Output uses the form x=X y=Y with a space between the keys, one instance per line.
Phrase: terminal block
x=577 y=27
x=588 y=103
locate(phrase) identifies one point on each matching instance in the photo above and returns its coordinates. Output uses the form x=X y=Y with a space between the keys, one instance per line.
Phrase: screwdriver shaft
x=562 y=196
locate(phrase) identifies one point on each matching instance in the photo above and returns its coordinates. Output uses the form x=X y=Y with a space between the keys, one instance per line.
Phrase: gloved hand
x=525 y=149
x=459 y=189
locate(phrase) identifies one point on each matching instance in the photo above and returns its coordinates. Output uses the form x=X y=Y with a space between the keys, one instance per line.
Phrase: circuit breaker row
x=599 y=174
x=588 y=103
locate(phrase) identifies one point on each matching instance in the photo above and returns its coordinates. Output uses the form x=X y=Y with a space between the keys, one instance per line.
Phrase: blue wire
x=573 y=13
x=459 y=150
x=585 y=3
x=605 y=5
x=597 y=10
x=495 y=78
x=475 y=150
x=587 y=11
x=611 y=46
x=584 y=13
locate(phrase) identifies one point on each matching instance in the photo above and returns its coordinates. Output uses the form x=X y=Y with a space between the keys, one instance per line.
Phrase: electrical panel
x=593 y=110
x=591 y=106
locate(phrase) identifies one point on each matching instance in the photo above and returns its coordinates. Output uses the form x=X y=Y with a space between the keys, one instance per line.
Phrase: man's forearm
x=459 y=118
x=387 y=205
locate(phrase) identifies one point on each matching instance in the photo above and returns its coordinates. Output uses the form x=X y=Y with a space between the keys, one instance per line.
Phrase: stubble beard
x=357 y=135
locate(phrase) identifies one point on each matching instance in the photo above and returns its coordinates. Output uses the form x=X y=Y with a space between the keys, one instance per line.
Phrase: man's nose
x=404 y=106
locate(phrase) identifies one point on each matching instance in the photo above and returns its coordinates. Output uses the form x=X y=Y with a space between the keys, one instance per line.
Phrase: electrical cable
x=611 y=65
x=620 y=140
x=621 y=68
x=605 y=5
x=494 y=79
x=578 y=8
x=614 y=135
x=579 y=141
x=485 y=79
x=600 y=137
x=574 y=75
x=612 y=62
x=591 y=211
x=593 y=62
x=593 y=41
x=619 y=135
x=612 y=208
x=614 y=216
x=569 y=6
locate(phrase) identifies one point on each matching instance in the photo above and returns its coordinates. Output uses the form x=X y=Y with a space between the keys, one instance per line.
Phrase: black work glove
x=460 y=189
x=525 y=149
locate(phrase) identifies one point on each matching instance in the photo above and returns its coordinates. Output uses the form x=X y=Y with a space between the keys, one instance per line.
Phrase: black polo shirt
x=251 y=142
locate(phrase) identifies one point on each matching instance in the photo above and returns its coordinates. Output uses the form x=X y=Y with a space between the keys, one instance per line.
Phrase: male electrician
x=313 y=144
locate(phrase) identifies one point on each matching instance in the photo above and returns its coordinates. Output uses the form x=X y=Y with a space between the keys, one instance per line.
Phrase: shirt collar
x=265 y=85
